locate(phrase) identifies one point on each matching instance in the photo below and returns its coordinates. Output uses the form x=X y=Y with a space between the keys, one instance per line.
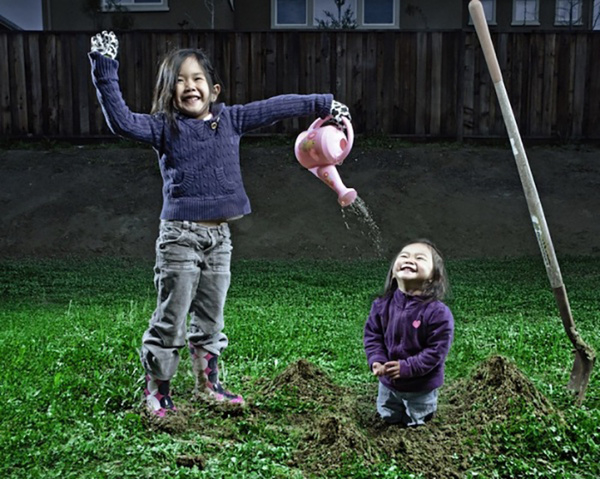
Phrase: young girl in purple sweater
x=197 y=142
x=408 y=335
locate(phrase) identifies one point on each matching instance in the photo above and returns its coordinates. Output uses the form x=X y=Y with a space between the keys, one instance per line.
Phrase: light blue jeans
x=191 y=276
x=407 y=408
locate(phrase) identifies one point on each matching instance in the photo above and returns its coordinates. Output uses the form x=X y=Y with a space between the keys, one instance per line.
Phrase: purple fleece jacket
x=414 y=332
x=199 y=163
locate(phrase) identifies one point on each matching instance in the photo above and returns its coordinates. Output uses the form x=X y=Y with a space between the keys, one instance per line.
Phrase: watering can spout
x=330 y=176
x=320 y=149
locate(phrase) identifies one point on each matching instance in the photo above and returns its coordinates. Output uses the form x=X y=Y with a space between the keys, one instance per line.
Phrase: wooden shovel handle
x=483 y=32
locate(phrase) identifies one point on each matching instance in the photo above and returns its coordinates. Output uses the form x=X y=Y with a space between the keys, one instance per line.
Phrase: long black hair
x=166 y=80
x=436 y=288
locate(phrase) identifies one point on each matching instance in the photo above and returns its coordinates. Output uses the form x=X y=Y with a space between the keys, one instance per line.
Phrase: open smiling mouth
x=190 y=99
x=410 y=268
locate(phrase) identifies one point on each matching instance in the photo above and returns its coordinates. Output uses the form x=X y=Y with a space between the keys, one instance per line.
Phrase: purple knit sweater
x=200 y=164
x=414 y=332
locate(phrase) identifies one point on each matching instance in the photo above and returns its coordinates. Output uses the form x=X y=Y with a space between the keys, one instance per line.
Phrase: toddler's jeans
x=407 y=408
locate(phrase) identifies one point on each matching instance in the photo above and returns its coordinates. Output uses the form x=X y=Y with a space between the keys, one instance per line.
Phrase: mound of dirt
x=349 y=425
x=329 y=429
x=337 y=425
x=306 y=381
x=496 y=388
x=497 y=392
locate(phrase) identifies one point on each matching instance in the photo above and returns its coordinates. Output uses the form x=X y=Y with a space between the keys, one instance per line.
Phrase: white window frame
x=575 y=7
x=311 y=22
x=524 y=22
x=135 y=6
x=490 y=13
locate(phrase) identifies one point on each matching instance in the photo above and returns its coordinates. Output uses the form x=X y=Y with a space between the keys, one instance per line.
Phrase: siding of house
x=255 y=15
x=67 y=15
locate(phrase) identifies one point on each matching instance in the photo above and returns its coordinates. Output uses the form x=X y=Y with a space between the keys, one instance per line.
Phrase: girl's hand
x=378 y=369
x=105 y=43
x=339 y=111
x=392 y=369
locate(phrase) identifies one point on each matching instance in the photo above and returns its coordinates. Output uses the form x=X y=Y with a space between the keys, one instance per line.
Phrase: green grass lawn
x=70 y=378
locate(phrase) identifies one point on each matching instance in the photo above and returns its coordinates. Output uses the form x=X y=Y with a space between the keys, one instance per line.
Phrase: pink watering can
x=320 y=149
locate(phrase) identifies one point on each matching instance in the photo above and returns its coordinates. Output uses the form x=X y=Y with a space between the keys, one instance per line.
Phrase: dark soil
x=336 y=426
x=84 y=201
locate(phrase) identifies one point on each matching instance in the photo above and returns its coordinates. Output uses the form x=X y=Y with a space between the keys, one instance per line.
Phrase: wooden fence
x=414 y=84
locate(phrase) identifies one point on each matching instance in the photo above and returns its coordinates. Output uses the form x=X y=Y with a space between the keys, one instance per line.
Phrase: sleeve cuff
x=103 y=66
x=326 y=110
x=377 y=359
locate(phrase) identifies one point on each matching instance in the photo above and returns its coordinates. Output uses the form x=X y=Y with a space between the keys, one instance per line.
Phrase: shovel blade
x=580 y=375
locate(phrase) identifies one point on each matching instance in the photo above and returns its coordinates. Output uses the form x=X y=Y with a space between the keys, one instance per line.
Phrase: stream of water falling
x=367 y=224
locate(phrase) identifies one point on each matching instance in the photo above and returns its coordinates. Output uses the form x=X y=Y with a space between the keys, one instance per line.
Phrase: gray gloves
x=339 y=111
x=105 y=43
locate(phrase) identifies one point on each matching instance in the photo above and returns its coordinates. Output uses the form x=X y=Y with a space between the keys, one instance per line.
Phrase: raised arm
x=266 y=112
x=121 y=120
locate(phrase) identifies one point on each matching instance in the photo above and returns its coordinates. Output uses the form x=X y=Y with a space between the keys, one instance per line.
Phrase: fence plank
x=270 y=63
x=257 y=55
x=436 y=84
x=18 y=85
x=396 y=62
x=80 y=74
x=564 y=85
x=354 y=80
x=239 y=67
x=497 y=127
x=421 y=92
x=65 y=83
x=468 y=125
x=516 y=65
x=592 y=105
x=370 y=76
x=34 y=79
x=536 y=86
x=549 y=95
x=483 y=93
x=51 y=99
x=5 y=93
x=579 y=80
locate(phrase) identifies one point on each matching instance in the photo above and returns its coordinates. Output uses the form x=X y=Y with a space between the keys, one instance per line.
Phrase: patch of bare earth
x=344 y=425
x=334 y=425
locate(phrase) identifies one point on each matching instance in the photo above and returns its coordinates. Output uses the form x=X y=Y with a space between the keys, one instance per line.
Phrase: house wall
x=65 y=15
x=547 y=13
x=255 y=15
x=431 y=14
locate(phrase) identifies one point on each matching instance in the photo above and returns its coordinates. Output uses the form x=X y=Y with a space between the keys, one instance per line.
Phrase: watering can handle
x=349 y=136
x=318 y=122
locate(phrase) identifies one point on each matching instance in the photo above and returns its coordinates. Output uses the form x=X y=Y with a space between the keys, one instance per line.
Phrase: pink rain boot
x=158 y=398
x=206 y=371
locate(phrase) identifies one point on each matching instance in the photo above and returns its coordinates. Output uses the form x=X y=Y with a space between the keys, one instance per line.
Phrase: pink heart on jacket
x=416 y=323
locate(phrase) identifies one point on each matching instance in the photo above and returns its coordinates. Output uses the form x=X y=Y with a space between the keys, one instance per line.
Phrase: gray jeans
x=408 y=408
x=191 y=276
